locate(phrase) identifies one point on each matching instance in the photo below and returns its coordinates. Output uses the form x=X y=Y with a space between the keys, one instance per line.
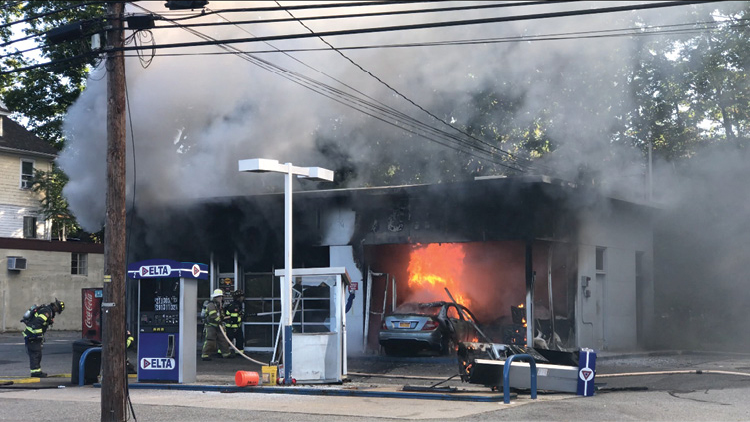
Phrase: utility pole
x=114 y=378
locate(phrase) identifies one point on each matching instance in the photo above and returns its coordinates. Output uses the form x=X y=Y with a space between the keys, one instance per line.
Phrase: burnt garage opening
x=487 y=277
x=588 y=258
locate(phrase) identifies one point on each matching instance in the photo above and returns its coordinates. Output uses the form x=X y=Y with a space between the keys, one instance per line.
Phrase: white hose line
x=240 y=352
x=281 y=326
x=691 y=371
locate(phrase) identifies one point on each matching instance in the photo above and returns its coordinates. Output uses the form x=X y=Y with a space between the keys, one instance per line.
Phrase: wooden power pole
x=114 y=377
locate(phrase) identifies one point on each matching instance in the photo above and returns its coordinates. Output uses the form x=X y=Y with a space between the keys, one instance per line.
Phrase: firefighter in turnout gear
x=213 y=318
x=129 y=340
x=233 y=316
x=33 y=335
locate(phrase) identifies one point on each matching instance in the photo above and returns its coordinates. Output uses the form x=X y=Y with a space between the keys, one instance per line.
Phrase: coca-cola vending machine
x=91 y=321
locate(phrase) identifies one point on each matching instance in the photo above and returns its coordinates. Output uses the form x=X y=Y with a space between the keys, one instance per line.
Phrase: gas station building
x=576 y=258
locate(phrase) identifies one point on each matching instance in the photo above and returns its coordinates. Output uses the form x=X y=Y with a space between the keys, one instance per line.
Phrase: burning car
x=435 y=326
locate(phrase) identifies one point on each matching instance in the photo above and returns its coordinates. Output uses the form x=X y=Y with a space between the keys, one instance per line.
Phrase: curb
x=311 y=391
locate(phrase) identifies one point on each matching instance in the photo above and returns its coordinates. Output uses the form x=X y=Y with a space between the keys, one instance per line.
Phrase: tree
x=54 y=205
x=716 y=66
x=41 y=96
x=691 y=90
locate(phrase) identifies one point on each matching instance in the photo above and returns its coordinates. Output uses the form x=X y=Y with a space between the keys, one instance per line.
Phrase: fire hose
x=676 y=372
x=240 y=352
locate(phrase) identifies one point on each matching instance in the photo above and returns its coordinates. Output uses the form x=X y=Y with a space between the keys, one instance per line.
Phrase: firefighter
x=33 y=335
x=233 y=317
x=213 y=318
x=128 y=344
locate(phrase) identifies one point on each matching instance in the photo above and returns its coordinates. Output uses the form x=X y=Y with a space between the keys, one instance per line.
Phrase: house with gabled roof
x=21 y=153
x=35 y=269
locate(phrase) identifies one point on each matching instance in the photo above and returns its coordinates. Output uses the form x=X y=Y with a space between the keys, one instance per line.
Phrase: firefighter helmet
x=59 y=305
x=217 y=293
x=238 y=293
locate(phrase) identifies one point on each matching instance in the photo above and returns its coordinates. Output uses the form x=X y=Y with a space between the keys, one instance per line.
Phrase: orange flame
x=434 y=267
x=524 y=318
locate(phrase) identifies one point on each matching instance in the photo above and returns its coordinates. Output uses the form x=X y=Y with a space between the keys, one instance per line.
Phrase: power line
x=304 y=7
x=28 y=37
x=431 y=25
x=397 y=118
x=40 y=46
x=345 y=16
x=370 y=14
x=397 y=28
x=580 y=35
x=409 y=100
x=372 y=108
x=369 y=108
x=44 y=33
x=52 y=12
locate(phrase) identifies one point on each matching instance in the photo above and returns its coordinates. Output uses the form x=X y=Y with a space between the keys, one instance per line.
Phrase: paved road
x=672 y=391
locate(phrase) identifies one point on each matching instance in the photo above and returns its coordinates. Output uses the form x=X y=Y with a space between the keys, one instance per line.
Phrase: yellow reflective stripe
x=42 y=316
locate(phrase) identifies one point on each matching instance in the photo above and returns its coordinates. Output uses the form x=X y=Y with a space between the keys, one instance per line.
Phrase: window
x=600 y=259
x=27 y=173
x=452 y=312
x=29 y=227
x=78 y=263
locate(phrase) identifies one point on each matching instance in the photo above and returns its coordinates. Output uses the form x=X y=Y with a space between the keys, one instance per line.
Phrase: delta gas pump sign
x=157 y=364
x=167 y=308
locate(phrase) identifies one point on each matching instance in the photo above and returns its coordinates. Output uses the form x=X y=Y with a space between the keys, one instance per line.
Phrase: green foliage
x=683 y=92
x=715 y=67
x=41 y=96
x=691 y=91
x=54 y=206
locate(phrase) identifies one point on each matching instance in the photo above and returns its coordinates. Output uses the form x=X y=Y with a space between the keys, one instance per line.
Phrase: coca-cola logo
x=88 y=308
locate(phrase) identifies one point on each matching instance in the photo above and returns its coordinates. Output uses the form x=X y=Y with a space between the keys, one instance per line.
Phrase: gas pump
x=167 y=309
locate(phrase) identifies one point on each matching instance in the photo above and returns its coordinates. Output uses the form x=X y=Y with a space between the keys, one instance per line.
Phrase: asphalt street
x=655 y=386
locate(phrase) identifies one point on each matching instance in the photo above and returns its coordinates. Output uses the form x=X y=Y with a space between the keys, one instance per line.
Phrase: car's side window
x=452 y=312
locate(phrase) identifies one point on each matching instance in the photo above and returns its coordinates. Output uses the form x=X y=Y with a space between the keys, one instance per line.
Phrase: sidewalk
x=370 y=376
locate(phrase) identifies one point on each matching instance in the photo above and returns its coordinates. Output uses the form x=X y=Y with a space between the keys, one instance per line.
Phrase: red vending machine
x=91 y=321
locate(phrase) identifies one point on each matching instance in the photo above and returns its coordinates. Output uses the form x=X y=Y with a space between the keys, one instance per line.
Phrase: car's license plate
x=404 y=325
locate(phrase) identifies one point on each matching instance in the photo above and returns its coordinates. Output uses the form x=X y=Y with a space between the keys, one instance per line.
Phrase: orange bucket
x=245 y=378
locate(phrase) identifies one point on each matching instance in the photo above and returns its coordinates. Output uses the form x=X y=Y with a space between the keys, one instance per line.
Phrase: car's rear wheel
x=448 y=346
